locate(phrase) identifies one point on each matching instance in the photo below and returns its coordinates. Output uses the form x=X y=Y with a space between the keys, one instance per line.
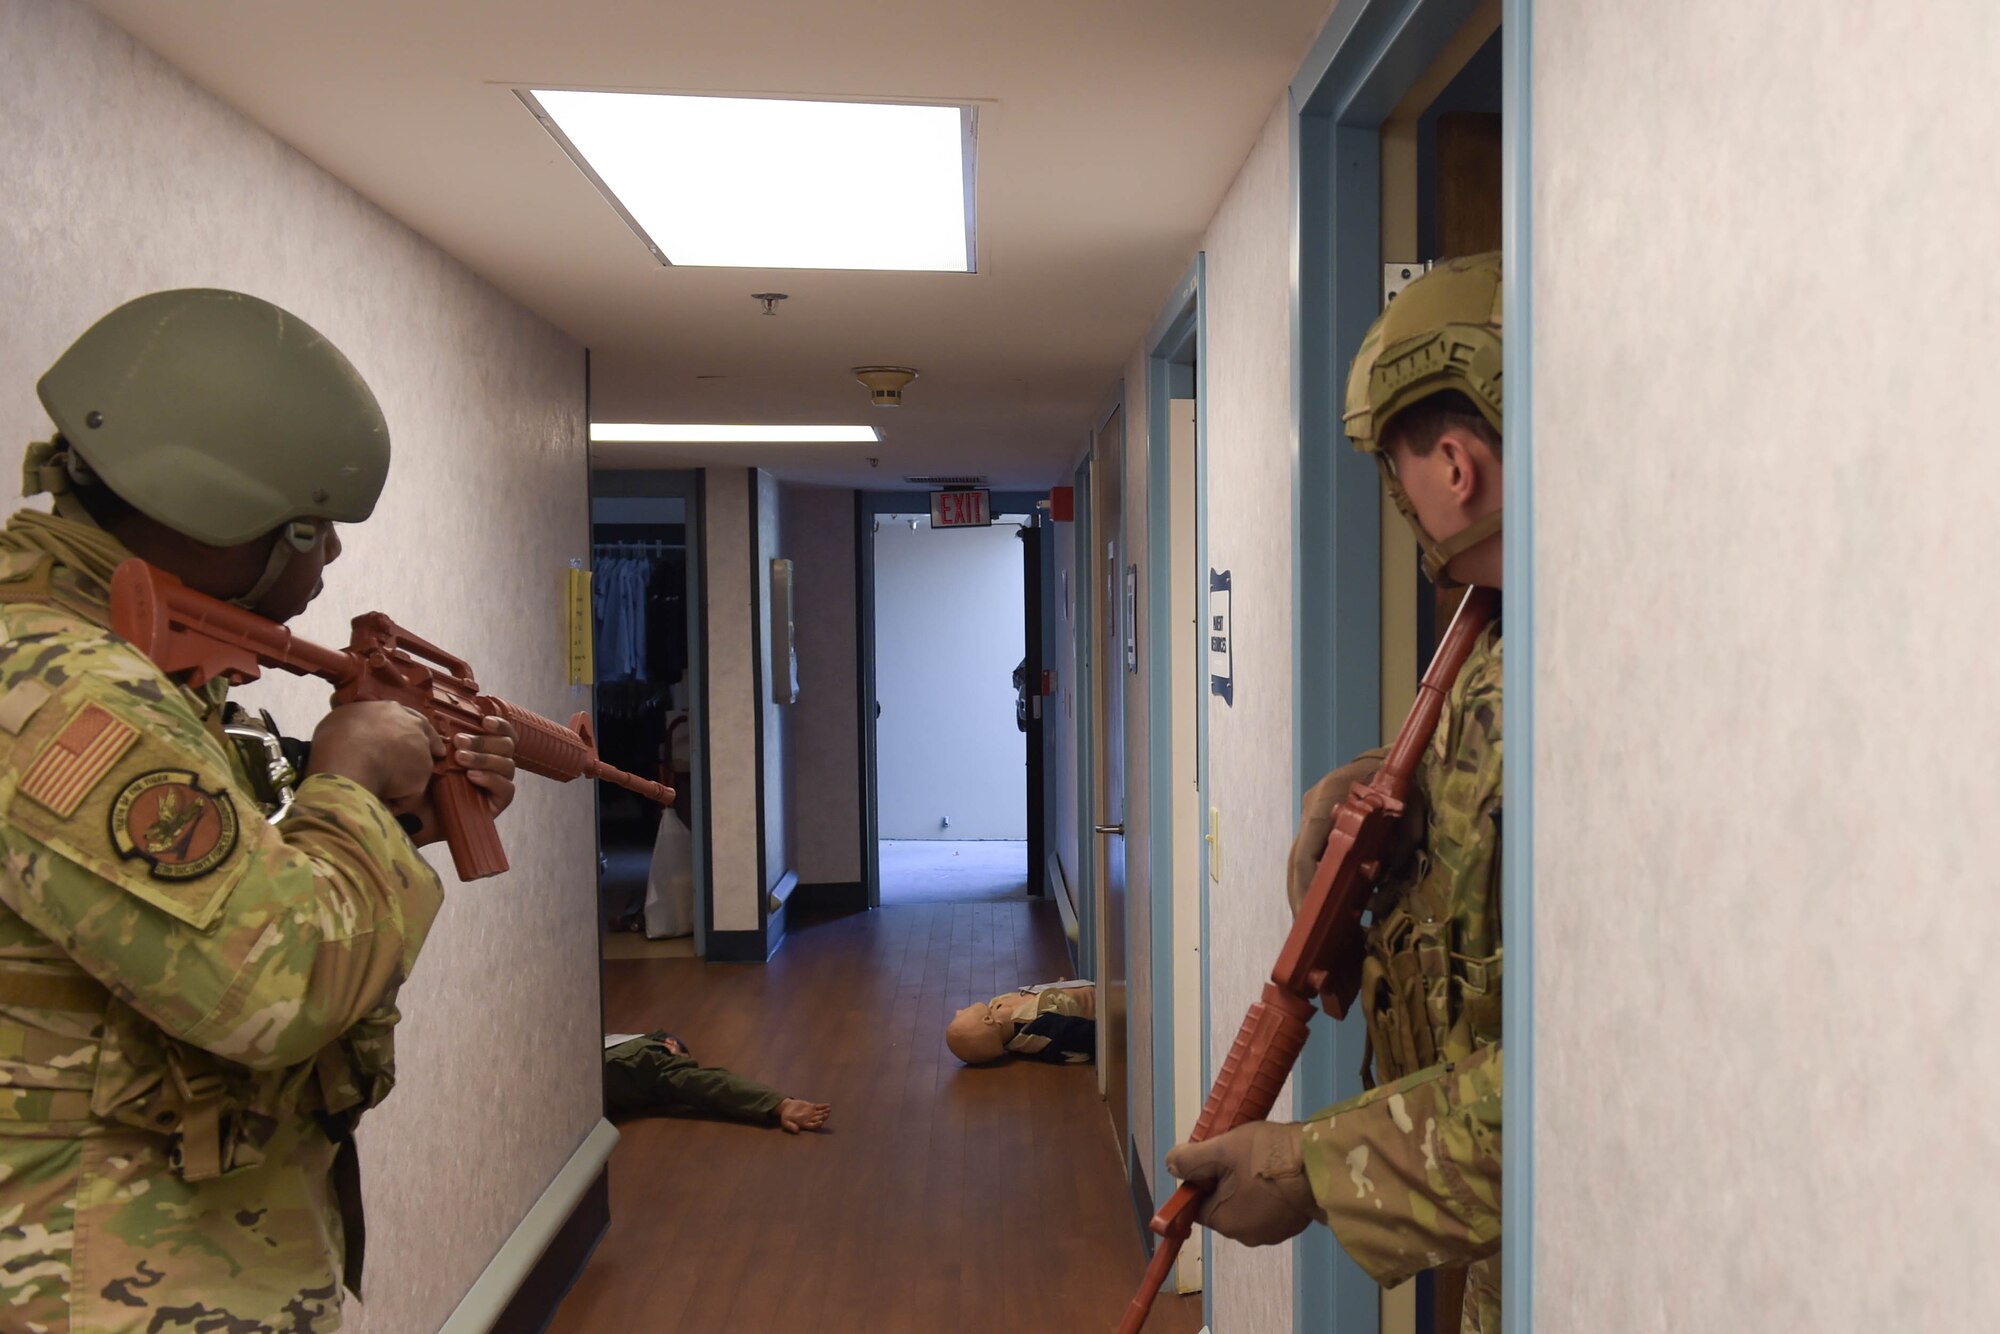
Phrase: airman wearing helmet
x=196 y=1005
x=1408 y=1174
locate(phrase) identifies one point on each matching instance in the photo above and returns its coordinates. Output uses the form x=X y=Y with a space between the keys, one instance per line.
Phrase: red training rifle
x=196 y=638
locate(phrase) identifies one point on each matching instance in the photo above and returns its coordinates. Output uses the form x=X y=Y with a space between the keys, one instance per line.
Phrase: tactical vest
x=1430 y=980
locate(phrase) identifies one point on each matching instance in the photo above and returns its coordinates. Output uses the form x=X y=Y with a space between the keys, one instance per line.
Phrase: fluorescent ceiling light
x=677 y=434
x=739 y=182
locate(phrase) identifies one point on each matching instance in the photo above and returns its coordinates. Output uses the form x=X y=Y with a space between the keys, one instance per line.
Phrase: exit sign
x=961 y=509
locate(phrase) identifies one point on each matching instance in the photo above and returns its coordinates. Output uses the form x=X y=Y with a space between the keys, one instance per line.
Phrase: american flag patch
x=76 y=758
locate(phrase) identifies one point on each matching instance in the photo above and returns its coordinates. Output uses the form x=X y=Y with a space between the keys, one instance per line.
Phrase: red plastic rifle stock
x=1322 y=954
x=196 y=638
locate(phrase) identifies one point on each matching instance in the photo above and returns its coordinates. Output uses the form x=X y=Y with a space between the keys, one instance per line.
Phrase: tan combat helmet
x=217 y=414
x=1441 y=333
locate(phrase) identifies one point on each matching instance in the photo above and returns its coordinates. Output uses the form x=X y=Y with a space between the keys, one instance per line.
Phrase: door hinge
x=1395 y=277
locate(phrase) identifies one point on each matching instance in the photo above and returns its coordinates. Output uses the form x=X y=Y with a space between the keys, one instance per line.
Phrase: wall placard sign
x=1221 y=669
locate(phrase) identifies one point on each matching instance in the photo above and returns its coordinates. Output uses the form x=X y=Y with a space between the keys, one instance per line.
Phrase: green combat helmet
x=217 y=414
x=1441 y=333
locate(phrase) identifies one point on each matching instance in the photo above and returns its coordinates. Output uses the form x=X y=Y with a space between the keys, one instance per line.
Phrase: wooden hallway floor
x=941 y=1199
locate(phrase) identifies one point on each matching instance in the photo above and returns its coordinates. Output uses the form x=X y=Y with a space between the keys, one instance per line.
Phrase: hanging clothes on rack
x=625 y=573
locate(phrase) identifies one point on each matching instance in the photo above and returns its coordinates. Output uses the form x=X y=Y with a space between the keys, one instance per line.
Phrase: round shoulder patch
x=167 y=820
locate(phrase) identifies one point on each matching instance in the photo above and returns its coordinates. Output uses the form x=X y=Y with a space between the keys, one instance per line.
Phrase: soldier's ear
x=1465 y=457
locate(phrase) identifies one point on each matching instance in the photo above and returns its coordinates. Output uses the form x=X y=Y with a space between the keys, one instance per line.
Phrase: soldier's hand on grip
x=1261 y=1195
x=386 y=748
x=488 y=758
x=489 y=761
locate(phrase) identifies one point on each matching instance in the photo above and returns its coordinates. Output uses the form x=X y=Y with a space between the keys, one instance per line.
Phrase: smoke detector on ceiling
x=885 y=383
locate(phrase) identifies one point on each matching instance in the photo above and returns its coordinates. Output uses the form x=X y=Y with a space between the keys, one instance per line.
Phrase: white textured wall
x=125 y=178
x=1250 y=515
x=825 y=769
x=777 y=717
x=950 y=624
x=1766 y=317
x=733 y=697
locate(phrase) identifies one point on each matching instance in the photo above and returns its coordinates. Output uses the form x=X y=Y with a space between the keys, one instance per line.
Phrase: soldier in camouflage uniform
x=1408 y=1174
x=196 y=1005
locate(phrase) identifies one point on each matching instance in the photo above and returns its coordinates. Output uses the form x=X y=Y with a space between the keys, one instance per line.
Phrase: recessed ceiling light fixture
x=675 y=433
x=743 y=182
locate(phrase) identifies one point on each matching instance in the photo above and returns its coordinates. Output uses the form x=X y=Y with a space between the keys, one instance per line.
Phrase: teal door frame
x=1517 y=848
x=1366 y=58
x=1175 y=340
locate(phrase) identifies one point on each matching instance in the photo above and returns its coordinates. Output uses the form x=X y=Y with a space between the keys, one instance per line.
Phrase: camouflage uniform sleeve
x=1408 y=1174
x=129 y=842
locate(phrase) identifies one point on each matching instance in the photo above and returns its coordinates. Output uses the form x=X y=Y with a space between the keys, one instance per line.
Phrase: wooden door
x=1108 y=533
x=1468 y=223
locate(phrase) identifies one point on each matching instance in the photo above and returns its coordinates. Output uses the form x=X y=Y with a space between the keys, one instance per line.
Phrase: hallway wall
x=734 y=700
x=824 y=776
x=776 y=755
x=1765 y=720
x=1250 y=488
x=1251 y=515
x=126 y=178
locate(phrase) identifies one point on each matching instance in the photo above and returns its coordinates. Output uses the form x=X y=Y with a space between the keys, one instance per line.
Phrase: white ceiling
x=1109 y=132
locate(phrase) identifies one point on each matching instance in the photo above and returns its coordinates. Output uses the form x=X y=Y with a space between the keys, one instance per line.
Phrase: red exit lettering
x=960 y=509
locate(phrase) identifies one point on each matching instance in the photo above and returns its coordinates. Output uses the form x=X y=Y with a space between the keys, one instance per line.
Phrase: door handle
x=1117 y=829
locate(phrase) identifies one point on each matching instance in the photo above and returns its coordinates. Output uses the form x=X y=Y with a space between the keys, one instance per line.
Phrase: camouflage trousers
x=98 y=1235
x=1482 y=1297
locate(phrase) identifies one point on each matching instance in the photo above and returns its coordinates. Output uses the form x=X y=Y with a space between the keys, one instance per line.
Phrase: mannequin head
x=979 y=1033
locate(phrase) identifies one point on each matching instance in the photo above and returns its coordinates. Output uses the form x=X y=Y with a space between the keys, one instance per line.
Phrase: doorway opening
x=649 y=715
x=1398 y=139
x=952 y=709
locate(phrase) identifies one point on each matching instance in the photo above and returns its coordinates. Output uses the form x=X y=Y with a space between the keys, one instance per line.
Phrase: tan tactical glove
x=1316 y=819
x=1261 y=1195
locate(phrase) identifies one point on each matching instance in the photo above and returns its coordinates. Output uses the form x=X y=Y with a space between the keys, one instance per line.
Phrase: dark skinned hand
x=489 y=765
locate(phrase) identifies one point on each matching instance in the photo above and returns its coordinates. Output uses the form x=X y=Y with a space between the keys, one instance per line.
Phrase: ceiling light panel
x=676 y=433
x=739 y=182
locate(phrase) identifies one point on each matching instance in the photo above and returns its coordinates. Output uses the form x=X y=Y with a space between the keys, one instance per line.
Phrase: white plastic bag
x=670 y=882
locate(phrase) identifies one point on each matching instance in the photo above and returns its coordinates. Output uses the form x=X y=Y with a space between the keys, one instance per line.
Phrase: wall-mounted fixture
x=770 y=300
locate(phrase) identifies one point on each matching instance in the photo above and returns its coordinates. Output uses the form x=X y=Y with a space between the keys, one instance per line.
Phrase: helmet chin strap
x=1437 y=555
x=294 y=539
x=55 y=470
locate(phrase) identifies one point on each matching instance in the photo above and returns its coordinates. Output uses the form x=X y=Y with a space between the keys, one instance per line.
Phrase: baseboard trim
x=736 y=947
x=528 y=1276
x=781 y=892
x=846 y=897
x=1065 y=902
x=777 y=906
